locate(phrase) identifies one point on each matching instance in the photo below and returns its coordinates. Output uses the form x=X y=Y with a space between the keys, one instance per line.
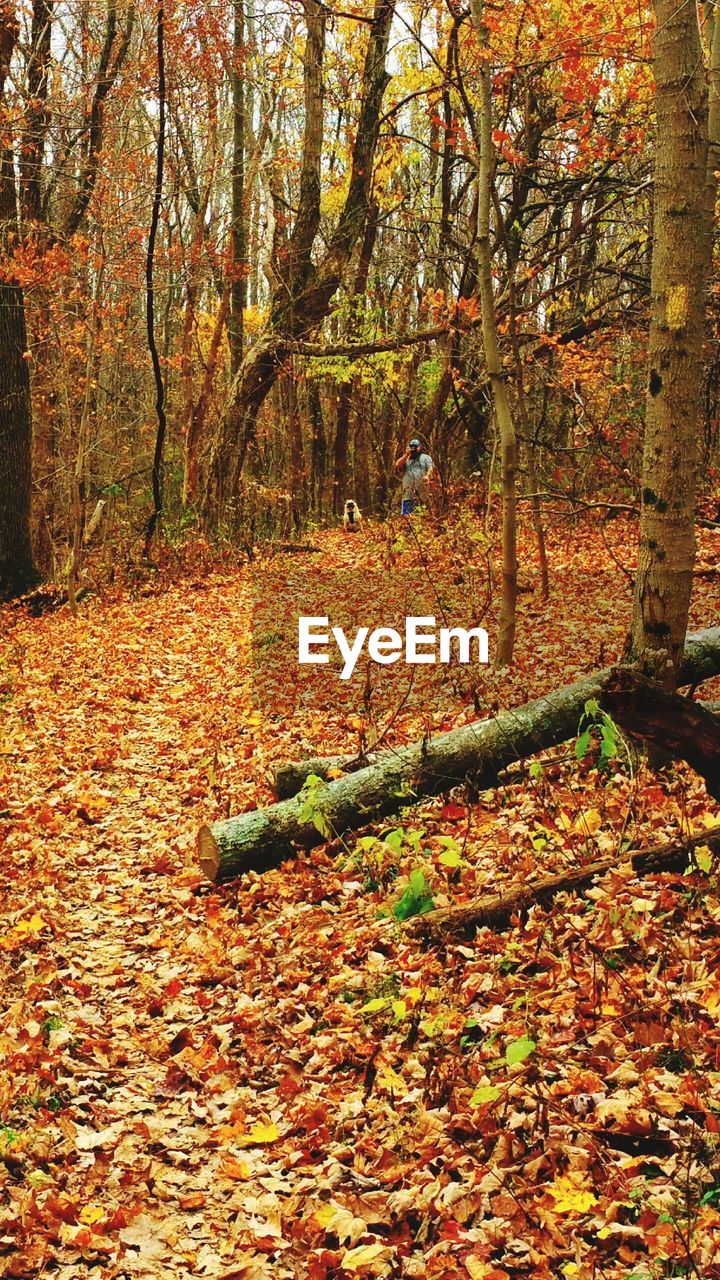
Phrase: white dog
x=352 y=519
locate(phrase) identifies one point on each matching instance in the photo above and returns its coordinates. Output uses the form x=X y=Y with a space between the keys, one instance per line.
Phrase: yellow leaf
x=91 y=1213
x=476 y=1268
x=363 y=1257
x=390 y=1080
x=238 y=1169
x=570 y=1269
x=400 y=1009
x=263 y=1133
x=374 y=1006
x=588 y=822
x=569 y=1198
x=340 y=1221
x=35 y=924
x=603 y=1233
x=413 y=995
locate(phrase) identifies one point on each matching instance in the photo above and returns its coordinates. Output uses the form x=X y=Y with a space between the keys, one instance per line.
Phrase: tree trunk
x=17 y=569
x=318 y=463
x=255 y=841
x=37 y=115
x=79 y=491
x=304 y=291
x=296 y=452
x=503 y=412
x=673 y=422
x=238 y=268
x=496 y=910
x=340 y=451
x=157 y=464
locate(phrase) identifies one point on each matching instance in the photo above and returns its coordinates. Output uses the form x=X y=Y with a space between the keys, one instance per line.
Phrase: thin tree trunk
x=506 y=427
x=17 y=568
x=361 y=453
x=200 y=409
x=80 y=477
x=296 y=454
x=150 y=289
x=671 y=453
x=340 y=452
x=349 y=389
x=318 y=469
x=238 y=266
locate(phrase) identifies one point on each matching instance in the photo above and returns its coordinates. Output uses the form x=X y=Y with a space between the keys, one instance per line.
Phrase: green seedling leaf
x=485 y=1093
x=519 y=1050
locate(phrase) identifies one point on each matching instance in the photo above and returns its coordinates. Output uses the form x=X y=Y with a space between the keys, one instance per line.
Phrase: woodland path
x=126 y=961
x=182 y=1092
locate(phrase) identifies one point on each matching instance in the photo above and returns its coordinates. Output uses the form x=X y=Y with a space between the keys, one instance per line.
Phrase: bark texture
x=671 y=453
x=255 y=841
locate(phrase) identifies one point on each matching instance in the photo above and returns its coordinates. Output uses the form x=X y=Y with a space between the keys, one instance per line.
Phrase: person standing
x=414 y=466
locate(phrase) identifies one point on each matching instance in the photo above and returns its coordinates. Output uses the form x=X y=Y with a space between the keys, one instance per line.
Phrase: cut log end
x=208 y=853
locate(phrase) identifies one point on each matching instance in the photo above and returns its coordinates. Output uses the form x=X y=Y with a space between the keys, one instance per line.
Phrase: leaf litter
x=275 y=1078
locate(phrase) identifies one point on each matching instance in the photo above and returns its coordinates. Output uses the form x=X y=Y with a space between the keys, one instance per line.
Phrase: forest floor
x=274 y=1078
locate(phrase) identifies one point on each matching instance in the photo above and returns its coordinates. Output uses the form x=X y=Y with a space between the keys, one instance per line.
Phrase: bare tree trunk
x=361 y=453
x=200 y=409
x=340 y=452
x=17 y=569
x=37 y=116
x=296 y=454
x=503 y=412
x=671 y=453
x=239 y=250
x=318 y=469
x=80 y=478
x=150 y=288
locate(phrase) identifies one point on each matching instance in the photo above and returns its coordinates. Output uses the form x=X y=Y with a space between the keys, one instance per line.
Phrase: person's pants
x=408 y=506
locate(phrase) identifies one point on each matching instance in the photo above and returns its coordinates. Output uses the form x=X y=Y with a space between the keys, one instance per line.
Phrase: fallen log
x=496 y=910
x=264 y=838
x=672 y=725
x=288 y=778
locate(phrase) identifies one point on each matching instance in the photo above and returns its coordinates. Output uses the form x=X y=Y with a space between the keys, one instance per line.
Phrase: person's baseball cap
x=414 y=444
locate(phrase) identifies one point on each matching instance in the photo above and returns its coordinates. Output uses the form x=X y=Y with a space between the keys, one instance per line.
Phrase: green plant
x=597 y=726
x=417 y=898
x=310 y=808
x=377 y=860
